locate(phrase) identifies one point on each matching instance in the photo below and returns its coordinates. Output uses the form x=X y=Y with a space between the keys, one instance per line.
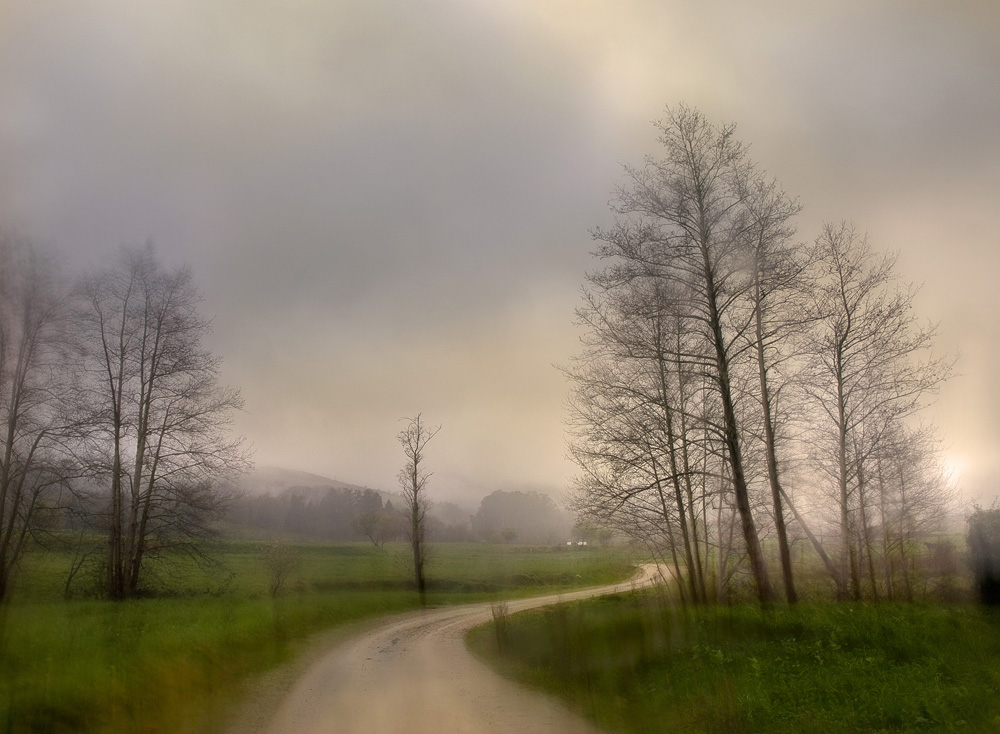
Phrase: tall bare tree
x=777 y=272
x=628 y=413
x=159 y=444
x=35 y=377
x=413 y=478
x=871 y=369
x=680 y=220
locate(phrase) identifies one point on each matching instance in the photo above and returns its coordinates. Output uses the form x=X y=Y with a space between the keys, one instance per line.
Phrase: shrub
x=984 y=549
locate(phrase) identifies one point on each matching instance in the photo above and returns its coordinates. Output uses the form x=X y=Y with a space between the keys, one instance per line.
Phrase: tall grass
x=636 y=664
x=170 y=661
x=152 y=664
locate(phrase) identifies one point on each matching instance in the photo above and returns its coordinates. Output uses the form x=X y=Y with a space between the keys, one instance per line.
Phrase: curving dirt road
x=412 y=673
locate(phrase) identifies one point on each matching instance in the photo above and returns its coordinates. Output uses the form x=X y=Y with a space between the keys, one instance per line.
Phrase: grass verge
x=635 y=664
x=152 y=665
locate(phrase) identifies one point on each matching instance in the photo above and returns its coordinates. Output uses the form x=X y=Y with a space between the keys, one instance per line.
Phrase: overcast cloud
x=387 y=203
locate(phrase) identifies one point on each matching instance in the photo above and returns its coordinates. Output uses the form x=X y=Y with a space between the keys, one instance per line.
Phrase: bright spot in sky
x=952 y=466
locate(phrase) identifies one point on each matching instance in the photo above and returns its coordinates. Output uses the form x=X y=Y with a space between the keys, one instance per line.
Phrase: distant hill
x=279 y=502
x=275 y=480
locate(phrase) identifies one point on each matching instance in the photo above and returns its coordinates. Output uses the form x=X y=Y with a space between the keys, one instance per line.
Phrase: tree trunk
x=416 y=532
x=830 y=566
x=886 y=548
x=865 y=539
x=904 y=537
x=849 y=566
x=740 y=490
x=670 y=532
x=674 y=470
x=686 y=464
x=769 y=447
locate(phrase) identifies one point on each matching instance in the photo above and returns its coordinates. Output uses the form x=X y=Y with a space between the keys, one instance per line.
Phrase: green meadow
x=636 y=663
x=179 y=658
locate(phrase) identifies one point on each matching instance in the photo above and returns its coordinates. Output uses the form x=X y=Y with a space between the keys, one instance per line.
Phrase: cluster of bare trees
x=723 y=359
x=111 y=410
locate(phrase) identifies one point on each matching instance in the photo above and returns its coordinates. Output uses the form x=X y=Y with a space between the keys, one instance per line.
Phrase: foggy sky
x=387 y=203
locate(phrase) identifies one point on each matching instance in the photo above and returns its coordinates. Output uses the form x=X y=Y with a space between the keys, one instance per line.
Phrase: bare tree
x=281 y=560
x=377 y=525
x=777 y=278
x=35 y=377
x=907 y=498
x=413 y=479
x=159 y=444
x=680 y=221
x=871 y=369
x=629 y=417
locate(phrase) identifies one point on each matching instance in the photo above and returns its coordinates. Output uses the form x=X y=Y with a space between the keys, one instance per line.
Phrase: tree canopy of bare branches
x=719 y=351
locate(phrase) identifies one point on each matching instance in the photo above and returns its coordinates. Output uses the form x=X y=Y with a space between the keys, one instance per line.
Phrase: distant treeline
x=330 y=513
x=346 y=514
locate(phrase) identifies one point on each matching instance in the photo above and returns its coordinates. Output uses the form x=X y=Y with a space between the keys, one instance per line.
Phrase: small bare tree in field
x=281 y=560
x=413 y=479
x=378 y=526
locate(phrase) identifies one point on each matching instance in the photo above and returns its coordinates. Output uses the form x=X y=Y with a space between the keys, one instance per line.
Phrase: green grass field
x=172 y=661
x=634 y=663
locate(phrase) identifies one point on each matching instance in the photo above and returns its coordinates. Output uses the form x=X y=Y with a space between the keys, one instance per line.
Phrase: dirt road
x=412 y=673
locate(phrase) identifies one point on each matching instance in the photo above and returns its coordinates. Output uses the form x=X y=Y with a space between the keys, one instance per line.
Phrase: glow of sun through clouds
x=952 y=467
x=631 y=53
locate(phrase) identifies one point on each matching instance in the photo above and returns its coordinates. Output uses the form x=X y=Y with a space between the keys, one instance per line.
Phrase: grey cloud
x=387 y=203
